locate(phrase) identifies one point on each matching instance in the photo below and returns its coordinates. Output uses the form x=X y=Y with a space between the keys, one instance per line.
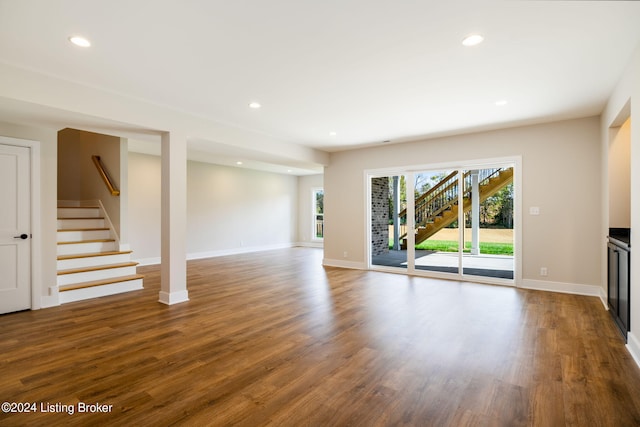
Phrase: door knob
x=22 y=236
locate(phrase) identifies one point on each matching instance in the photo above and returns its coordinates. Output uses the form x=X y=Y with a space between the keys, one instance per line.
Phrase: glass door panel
x=436 y=221
x=389 y=221
x=489 y=224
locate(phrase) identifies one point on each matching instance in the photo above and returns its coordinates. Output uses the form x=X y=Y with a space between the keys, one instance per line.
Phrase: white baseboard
x=49 y=301
x=633 y=345
x=565 y=288
x=310 y=244
x=147 y=261
x=171 y=298
x=603 y=298
x=236 y=251
x=344 y=264
x=218 y=253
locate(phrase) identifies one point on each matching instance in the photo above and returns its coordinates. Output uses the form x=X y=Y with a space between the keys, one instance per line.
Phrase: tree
x=497 y=210
x=403 y=196
x=320 y=202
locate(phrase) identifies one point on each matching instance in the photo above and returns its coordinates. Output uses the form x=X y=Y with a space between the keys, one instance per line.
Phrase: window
x=318 y=214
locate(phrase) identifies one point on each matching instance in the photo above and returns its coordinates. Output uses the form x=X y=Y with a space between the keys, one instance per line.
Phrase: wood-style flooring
x=273 y=338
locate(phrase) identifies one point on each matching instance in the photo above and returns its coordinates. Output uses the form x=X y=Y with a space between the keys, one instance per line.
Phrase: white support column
x=124 y=195
x=475 y=213
x=173 y=268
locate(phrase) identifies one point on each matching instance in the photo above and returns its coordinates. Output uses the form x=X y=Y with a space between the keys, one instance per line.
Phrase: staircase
x=89 y=262
x=438 y=207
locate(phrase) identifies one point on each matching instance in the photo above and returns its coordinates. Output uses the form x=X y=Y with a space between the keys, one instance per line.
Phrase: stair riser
x=86 y=248
x=67 y=264
x=100 y=291
x=78 y=212
x=80 y=223
x=88 y=276
x=75 y=236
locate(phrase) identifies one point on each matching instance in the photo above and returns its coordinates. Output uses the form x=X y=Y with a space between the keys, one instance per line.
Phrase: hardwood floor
x=274 y=338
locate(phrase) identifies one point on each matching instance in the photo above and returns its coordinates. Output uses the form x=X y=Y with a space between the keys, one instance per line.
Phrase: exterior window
x=318 y=214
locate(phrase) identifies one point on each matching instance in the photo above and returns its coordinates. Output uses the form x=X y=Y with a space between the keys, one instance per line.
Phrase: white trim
x=50 y=301
x=236 y=251
x=109 y=224
x=123 y=198
x=565 y=288
x=314 y=190
x=344 y=264
x=518 y=219
x=173 y=297
x=368 y=175
x=219 y=253
x=465 y=278
x=633 y=345
x=603 y=298
x=409 y=178
x=36 y=230
x=316 y=244
x=147 y=261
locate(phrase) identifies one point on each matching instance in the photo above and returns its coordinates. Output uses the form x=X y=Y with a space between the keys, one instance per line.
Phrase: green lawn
x=452 y=246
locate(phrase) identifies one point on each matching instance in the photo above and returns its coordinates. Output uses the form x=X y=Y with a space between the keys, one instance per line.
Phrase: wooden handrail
x=105 y=177
x=429 y=192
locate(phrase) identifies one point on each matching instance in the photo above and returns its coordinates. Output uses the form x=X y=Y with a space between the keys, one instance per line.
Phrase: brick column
x=379 y=216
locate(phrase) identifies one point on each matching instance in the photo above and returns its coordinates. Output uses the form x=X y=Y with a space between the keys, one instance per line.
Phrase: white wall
x=627 y=93
x=229 y=210
x=48 y=201
x=306 y=184
x=561 y=175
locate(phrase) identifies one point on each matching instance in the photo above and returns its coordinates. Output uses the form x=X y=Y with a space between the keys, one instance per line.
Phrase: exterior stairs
x=447 y=212
x=89 y=264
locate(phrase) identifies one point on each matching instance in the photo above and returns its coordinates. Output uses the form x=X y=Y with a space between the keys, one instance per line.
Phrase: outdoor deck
x=497 y=266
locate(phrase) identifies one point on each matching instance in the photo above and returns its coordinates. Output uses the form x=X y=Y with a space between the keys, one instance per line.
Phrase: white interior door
x=15 y=229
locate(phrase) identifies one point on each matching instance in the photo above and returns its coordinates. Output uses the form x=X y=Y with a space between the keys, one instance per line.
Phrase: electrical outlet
x=345 y=254
x=543 y=271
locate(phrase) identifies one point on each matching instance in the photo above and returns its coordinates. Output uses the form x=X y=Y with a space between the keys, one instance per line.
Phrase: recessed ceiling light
x=289 y=170
x=472 y=40
x=238 y=163
x=255 y=105
x=80 y=41
x=332 y=133
x=501 y=103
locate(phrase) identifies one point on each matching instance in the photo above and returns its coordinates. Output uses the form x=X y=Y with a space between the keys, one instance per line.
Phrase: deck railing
x=319 y=226
x=444 y=195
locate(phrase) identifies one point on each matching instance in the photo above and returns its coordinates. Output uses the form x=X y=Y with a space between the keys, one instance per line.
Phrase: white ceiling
x=369 y=70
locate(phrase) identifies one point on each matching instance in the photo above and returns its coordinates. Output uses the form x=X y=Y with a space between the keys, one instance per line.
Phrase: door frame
x=409 y=171
x=36 y=231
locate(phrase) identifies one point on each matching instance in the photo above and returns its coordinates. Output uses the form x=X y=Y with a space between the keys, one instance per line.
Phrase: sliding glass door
x=388 y=226
x=437 y=241
x=488 y=219
x=445 y=222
